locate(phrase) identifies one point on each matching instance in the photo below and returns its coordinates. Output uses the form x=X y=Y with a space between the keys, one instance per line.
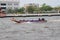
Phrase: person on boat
x=43 y=20
x=39 y=19
x=31 y=20
x=35 y=20
x=23 y=20
x=13 y=19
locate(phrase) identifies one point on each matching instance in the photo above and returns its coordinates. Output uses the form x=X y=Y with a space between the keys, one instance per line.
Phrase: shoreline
x=30 y=15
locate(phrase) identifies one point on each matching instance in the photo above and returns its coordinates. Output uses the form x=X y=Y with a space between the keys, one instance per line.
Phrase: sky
x=52 y=3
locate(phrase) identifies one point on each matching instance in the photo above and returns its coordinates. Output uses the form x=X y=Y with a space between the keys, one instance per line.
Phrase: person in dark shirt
x=39 y=19
x=43 y=19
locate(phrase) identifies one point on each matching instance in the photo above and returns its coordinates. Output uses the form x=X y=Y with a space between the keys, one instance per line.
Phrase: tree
x=46 y=7
x=30 y=9
x=57 y=8
x=9 y=11
x=16 y=10
x=21 y=10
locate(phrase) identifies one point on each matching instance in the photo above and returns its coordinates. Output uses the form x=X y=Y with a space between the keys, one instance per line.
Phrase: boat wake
x=27 y=22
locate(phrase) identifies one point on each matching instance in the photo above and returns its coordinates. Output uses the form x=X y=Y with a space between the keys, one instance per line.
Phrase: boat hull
x=30 y=21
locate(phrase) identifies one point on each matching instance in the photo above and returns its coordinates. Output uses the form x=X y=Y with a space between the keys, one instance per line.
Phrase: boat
x=21 y=21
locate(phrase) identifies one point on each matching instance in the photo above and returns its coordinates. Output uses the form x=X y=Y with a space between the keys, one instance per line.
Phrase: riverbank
x=32 y=15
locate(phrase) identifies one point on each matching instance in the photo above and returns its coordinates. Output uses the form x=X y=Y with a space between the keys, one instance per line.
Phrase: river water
x=49 y=30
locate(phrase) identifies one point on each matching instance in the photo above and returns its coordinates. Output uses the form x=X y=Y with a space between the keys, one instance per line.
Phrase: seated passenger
x=13 y=19
x=31 y=20
x=39 y=19
x=23 y=20
x=42 y=19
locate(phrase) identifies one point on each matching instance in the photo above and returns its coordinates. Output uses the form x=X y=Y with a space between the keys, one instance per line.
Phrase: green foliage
x=21 y=10
x=57 y=8
x=30 y=9
x=15 y=10
x=46 y=8
x=10 y=11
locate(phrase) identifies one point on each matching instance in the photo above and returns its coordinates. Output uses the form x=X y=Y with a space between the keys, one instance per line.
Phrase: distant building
x=9 y=4
x=31 y=4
